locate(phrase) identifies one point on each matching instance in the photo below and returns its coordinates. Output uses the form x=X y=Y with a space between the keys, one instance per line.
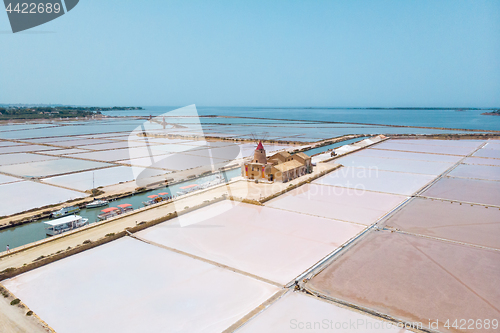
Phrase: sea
x=306 y=124
x=438 y=118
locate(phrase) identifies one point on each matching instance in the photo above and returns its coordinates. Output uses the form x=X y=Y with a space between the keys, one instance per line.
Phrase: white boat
x=66 y=211
x=97 y=203
x=64 y=224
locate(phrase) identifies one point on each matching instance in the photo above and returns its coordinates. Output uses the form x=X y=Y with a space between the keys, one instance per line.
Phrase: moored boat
x=65 y=211
x=109 y=212
x=194 y=187
x=154 y=198
x=97 y=203
x=64 y=224
x=187 y=189
x=125 y=208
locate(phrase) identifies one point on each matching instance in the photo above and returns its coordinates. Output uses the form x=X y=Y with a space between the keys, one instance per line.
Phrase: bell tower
x=260 y=154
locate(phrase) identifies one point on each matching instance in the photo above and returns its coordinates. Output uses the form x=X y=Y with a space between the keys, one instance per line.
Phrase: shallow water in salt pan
x=476 y=171
x=489 y=153
x=8 y=179
x=415 y=279
x=382 y=153
x=372 y=179
x=466 y=190
x=91 y=179
x=23 y=158
x=270 y=243
x=298 y=312
x=24 y=148
x=444 y=143
x=344 y=204
x=482 y=161
x=391 y=164
x=51 y=167
x=130 y=286
x=473 y=224
x=24 y=195
x=423 y=148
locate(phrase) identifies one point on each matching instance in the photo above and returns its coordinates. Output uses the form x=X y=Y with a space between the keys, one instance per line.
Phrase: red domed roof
x=260 y=146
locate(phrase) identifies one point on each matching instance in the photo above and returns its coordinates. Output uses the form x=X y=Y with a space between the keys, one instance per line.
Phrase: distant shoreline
x=346 y=108
x=57 y=112
x=494 y=113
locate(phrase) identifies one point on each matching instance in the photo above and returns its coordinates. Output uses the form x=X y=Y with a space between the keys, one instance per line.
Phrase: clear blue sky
x=258 y=53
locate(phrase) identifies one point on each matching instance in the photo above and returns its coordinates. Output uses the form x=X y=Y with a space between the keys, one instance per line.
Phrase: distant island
x=51 y=112
x=492 y=113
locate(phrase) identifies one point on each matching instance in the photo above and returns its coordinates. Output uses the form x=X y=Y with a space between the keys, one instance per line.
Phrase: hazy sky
x=258 y=53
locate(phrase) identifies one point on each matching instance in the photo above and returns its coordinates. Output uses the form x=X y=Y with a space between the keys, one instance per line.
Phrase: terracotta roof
x=283 y=153
x=290 y=165
x=260 y=146
x=303 y=155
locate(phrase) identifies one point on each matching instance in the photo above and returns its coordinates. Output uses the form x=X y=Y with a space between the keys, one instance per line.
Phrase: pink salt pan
x=129 y=286
x=397 y=165
x=476 y=224
x=274 y=244
x=476 y=172
x=489 y=153
x=416 y=279
x=296 y=311
x=374 y=152
x=422 y=148
x=482 y=161
x=445 y=143
x=340 y=203
x=373 y=179
x=466 y=190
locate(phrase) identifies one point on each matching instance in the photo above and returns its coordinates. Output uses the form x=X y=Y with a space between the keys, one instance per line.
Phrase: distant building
x=281 y=166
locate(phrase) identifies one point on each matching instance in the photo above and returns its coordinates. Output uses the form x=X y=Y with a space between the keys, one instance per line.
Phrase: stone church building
x=281 y=166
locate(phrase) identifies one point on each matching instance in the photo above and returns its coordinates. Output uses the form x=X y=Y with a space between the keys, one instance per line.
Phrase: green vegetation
x=16 y=301
x=95 y=192
x=8 y=270
x=39 y=258
x=29 y=313
x=49 y=112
